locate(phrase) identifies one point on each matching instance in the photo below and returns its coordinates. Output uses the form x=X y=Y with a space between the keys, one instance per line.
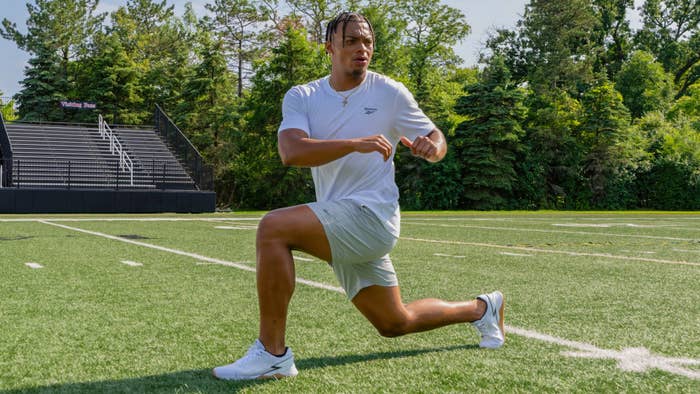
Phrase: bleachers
x=76 y=156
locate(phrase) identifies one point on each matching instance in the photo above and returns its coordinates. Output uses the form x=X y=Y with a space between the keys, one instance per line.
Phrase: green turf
x=88 y=323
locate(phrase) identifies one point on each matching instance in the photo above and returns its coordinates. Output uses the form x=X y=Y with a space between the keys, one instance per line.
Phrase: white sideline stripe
x=628 y=359
x=515 y=254
x=235 y=227
x=132 y=263
x=34 y=265
x=554 y=231
x=195 y=256
x=638 y=359
x=527 y=249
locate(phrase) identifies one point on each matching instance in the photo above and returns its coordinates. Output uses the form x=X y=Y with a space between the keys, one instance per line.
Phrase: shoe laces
x=255 y=352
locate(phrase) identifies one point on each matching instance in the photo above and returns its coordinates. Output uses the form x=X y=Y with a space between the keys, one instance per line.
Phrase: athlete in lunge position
x=346 y=127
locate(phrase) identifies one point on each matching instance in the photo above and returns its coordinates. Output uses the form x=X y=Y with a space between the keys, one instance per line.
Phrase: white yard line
x=241 y=266
x=34 y=265
x=528 y=249
x=448 y=255
x=637 y=359
x=529 y=230
x=629 y=359
x=132 y=263
x=515 y=254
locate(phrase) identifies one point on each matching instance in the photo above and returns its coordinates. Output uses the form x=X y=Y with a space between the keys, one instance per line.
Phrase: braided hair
x=343 y=18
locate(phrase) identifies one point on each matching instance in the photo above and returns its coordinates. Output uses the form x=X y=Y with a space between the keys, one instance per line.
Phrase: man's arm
x=431 y=147
x=298 y=150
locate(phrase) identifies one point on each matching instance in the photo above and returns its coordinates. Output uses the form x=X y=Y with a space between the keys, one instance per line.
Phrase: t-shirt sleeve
x=410 y=119
x=294 y=115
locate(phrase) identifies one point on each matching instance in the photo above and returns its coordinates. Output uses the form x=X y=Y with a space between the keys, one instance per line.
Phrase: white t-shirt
x=379 y=105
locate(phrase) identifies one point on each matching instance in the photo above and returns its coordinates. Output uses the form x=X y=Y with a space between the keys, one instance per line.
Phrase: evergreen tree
x=255 y=177
x=43 y=87
x=613 y=150
x=487 y=143
x=113 y=82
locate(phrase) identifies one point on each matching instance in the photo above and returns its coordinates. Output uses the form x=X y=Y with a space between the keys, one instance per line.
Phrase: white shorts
x=360 y=245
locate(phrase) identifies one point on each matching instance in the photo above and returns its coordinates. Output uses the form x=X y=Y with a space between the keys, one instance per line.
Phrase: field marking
x=568 y=253
x=34 y=265
x=555 y=231
x=236 y=227
x=634 y=360
x=302 y=258
x=146 y=219
x=448 y=255
x=637 y=359
x=132 y=263
x=515 y=254
x=241 y=266
x=686 y=250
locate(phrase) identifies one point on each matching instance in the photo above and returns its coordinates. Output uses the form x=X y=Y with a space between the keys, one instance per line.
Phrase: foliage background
x=571 y=109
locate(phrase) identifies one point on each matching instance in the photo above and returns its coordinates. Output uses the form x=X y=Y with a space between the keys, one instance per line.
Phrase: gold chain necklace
x=345 y=96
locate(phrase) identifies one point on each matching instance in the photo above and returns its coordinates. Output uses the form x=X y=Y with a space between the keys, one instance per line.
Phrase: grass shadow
x=202 y=381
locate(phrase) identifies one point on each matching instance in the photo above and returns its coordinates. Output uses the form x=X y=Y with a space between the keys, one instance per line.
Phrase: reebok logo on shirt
x=370 y=110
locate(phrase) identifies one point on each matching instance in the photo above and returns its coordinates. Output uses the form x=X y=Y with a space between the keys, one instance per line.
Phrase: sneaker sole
x=261 y=377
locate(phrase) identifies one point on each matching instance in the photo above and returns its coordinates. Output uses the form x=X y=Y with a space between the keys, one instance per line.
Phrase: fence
x=184 y=150
x=5 y=154
x=86 y=174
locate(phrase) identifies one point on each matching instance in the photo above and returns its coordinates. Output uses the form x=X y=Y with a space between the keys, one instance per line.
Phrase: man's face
x=353 y=55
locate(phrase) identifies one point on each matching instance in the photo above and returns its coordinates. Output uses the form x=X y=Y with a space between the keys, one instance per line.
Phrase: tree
x=671 y=32
x=688 y=106
x=59 y=33
x=316 y=14
x=7 y=109
x=552 y=153
x=432 y=30
x=160 y=45
x=644 y=85
x=613 y=35
x=488 y=142
x=255 y=177
x=613 y=150
x=113 y=82
x=43 y=87
x=239 y=24
x=672 y=181
x=559 y=47
x=64 y=26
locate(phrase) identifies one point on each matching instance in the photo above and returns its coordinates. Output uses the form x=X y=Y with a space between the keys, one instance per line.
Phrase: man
x=346 y=127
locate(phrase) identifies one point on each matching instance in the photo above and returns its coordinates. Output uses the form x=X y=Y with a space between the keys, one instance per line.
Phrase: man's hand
x=431 y=147
x=374 y=143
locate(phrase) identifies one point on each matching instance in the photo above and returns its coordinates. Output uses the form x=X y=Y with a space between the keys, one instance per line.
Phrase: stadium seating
x=76 y=156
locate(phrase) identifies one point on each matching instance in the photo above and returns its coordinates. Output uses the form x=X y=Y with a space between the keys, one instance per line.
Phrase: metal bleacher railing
x=5 y=156
x=191 y=159
x=115 y=147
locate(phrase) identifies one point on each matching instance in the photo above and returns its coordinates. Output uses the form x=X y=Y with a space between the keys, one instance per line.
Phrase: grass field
x=596 y=302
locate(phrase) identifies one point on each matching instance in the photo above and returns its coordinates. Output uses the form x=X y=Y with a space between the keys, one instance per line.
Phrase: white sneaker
x=491 y=324
x=258 y=364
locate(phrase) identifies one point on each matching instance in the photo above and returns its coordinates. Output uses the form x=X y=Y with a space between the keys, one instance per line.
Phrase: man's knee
x=392 y=328
x=271 y=226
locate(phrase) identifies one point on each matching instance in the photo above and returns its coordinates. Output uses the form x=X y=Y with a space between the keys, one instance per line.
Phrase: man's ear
x=329 y=47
